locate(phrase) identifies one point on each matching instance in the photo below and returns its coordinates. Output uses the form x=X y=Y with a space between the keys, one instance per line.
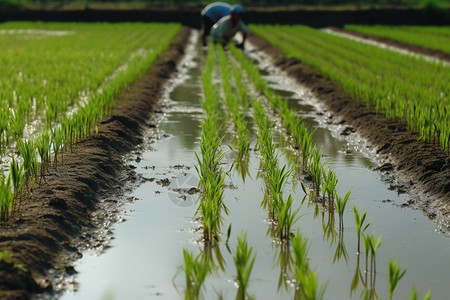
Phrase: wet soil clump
x=47 y=226
x=420 y=168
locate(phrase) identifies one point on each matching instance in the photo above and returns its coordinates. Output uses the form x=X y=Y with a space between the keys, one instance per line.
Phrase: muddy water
x=143 y=260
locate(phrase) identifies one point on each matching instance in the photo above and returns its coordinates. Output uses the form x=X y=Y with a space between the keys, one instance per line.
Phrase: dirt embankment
x=423 y=168
x=48 y=225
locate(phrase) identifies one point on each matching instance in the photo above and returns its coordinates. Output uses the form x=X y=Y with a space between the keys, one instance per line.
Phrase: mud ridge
x=420 y=168
x=47 y=227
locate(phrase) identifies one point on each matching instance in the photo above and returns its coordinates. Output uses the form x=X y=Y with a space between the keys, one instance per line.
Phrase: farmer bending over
x=223 y=31
x=210 y=15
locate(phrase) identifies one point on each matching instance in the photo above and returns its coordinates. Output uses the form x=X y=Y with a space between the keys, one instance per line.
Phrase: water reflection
x=240 y=165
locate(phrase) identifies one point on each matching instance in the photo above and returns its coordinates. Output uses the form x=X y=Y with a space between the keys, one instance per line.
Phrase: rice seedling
x=305 y=137
x=211 y=205
x=43 y=148
x=371 y=246
x=243 y=260
x=17 y=124
x=30 y=162
x=360 y=227
x=6 y=198
x=340 y=207
x=374 y=245
x=395 y=274
x=329 y=185
x=316 y=167
x=57 y=140
x=286 y=217
x=196 y=269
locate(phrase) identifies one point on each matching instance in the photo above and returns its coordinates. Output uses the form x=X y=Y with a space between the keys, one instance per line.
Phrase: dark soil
x=48 y=225
x=420 y=168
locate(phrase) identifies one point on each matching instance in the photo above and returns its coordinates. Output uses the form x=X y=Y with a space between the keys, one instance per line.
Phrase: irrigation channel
x=145 y=258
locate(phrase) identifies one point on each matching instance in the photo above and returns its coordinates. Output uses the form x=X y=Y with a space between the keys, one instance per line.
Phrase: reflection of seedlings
x=163 y=182
x=196 y=269
x=395 y=274
x=243 y=260
x=414 y=295
x=286 y=262
x=371 y=245
x=341 y=251
x=308 y=285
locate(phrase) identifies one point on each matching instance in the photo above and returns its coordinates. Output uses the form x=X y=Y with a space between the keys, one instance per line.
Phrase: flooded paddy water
x=144 y=260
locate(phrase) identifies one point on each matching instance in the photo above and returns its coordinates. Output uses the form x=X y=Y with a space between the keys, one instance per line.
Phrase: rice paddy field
x=241 y=181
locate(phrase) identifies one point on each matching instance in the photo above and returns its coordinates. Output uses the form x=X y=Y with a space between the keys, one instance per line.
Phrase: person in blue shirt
x=224 y=30
x=212 y=13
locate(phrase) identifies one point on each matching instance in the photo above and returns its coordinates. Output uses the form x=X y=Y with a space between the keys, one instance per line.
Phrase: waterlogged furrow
x=325 y=192
x=47 y=77
x=399 y=86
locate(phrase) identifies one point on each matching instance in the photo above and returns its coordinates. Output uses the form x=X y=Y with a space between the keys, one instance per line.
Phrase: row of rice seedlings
x=234 y=102
x=211 y=175
x=397 y=85
x=323 y=180
x=72 y=127
x=33 y=90
x=321 y=177
x=283 y=215
x=432 y=37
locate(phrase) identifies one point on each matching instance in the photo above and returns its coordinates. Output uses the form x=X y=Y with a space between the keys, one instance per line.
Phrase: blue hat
x=237 y=9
